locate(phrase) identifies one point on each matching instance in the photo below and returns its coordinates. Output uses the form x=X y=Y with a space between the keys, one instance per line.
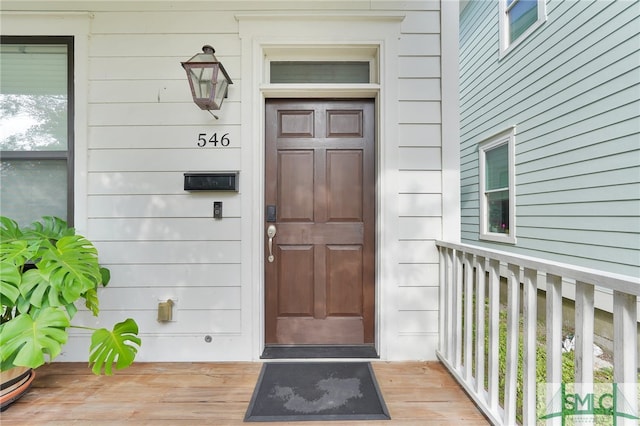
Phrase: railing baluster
x=450 y=295
x=584 y=337
x=554 y=339
x=457 y=318
x=554 y=328
x=468 y=315
x=494 y=328
x=529 y=307
x=480 y=320
x=442 y=300
x=513 y=318
x=625 y=356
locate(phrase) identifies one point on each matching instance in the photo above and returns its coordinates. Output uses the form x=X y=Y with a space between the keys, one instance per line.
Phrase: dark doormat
x=319 y=351
x=299 y=391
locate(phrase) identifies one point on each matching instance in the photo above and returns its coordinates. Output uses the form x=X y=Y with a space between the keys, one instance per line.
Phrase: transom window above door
x=321 y=64
x=319 y=72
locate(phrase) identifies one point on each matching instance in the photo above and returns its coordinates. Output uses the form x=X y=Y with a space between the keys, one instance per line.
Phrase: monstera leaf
x=25 y=340
x=9 y=230
x=37 y=291
x=51 y=228
x=118 y=346
x=72 y=266
x=17 y=252
x=10 y=279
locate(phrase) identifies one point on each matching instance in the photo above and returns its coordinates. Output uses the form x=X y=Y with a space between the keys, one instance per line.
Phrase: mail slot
x=219 y=181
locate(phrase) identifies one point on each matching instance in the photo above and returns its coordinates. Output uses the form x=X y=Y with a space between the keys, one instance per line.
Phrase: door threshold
x=319 y=351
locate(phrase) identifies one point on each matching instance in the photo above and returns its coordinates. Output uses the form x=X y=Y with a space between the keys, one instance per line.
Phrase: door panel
x=295 y=196
x=319 y=289
x=295 y=284
x=344 y=186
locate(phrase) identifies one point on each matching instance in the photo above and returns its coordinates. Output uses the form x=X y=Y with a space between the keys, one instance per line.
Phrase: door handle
x=271 y=232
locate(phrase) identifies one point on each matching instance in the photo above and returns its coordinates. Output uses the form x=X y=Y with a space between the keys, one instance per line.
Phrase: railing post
x=530 y=295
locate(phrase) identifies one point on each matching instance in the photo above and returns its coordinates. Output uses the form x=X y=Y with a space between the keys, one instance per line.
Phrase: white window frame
x=48 y=156
x=505 y=45
x=502 y=138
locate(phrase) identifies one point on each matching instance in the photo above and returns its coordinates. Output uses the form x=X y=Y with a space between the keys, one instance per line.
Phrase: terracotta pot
x=13 y=384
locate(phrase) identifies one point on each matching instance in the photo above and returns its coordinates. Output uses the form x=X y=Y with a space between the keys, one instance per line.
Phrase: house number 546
x=203 y=140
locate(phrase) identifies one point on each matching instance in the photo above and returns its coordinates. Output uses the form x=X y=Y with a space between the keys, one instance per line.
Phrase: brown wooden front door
x=320 y=163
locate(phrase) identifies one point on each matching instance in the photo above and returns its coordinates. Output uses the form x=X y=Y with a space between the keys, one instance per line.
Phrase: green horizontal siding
x=572 y=89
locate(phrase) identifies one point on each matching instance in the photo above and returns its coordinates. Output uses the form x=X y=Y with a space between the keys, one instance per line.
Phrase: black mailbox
x=204 y=181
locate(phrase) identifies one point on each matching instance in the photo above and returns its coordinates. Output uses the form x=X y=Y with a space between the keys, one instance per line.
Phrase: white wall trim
x=450 y=122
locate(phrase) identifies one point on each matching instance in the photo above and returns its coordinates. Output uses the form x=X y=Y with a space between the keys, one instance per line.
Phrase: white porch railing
x=469 y=271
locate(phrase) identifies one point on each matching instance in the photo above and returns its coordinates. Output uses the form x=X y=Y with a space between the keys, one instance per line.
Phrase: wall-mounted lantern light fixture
x=208 y=79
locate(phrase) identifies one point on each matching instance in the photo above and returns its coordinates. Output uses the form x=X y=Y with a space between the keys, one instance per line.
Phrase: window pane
x=33 y=97
x=498 y=211
x=523 y=14
x=32 y=189
x=319 y=72
x=497 y=167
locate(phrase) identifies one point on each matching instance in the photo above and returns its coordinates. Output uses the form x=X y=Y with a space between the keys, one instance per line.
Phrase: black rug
x=298 y=391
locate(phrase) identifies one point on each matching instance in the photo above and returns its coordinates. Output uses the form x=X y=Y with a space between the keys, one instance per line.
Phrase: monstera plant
x=46 y=271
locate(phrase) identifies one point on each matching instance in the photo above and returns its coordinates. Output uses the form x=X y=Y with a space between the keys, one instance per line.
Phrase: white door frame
x=345 y=34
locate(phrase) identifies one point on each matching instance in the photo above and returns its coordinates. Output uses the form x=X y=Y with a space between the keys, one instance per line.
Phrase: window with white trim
x=36 y=127
x=518 y=19
x=497 y=188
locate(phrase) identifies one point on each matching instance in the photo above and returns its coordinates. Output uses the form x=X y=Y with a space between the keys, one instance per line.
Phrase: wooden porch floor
x=416 y=393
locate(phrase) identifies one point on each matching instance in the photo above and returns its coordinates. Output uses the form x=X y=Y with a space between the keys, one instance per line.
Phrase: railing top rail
x=624 y=283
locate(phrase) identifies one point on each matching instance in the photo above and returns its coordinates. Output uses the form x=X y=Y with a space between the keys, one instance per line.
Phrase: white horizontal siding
x=161 y=137
x=420 y=158
x=163 y=23
x=182 y=205
x=167 y=252
x=421 y=22
x=419 y=67
x=427 y=182
x=179 y=275
x=422 y=275
x=198 y=322
x=420 y=135
x=572 y=90
x=418 y=321
x=184 y=298
x=165 y=229
x=163 y=160
x=159 y=114
x=419 y=205
x=417 y=252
